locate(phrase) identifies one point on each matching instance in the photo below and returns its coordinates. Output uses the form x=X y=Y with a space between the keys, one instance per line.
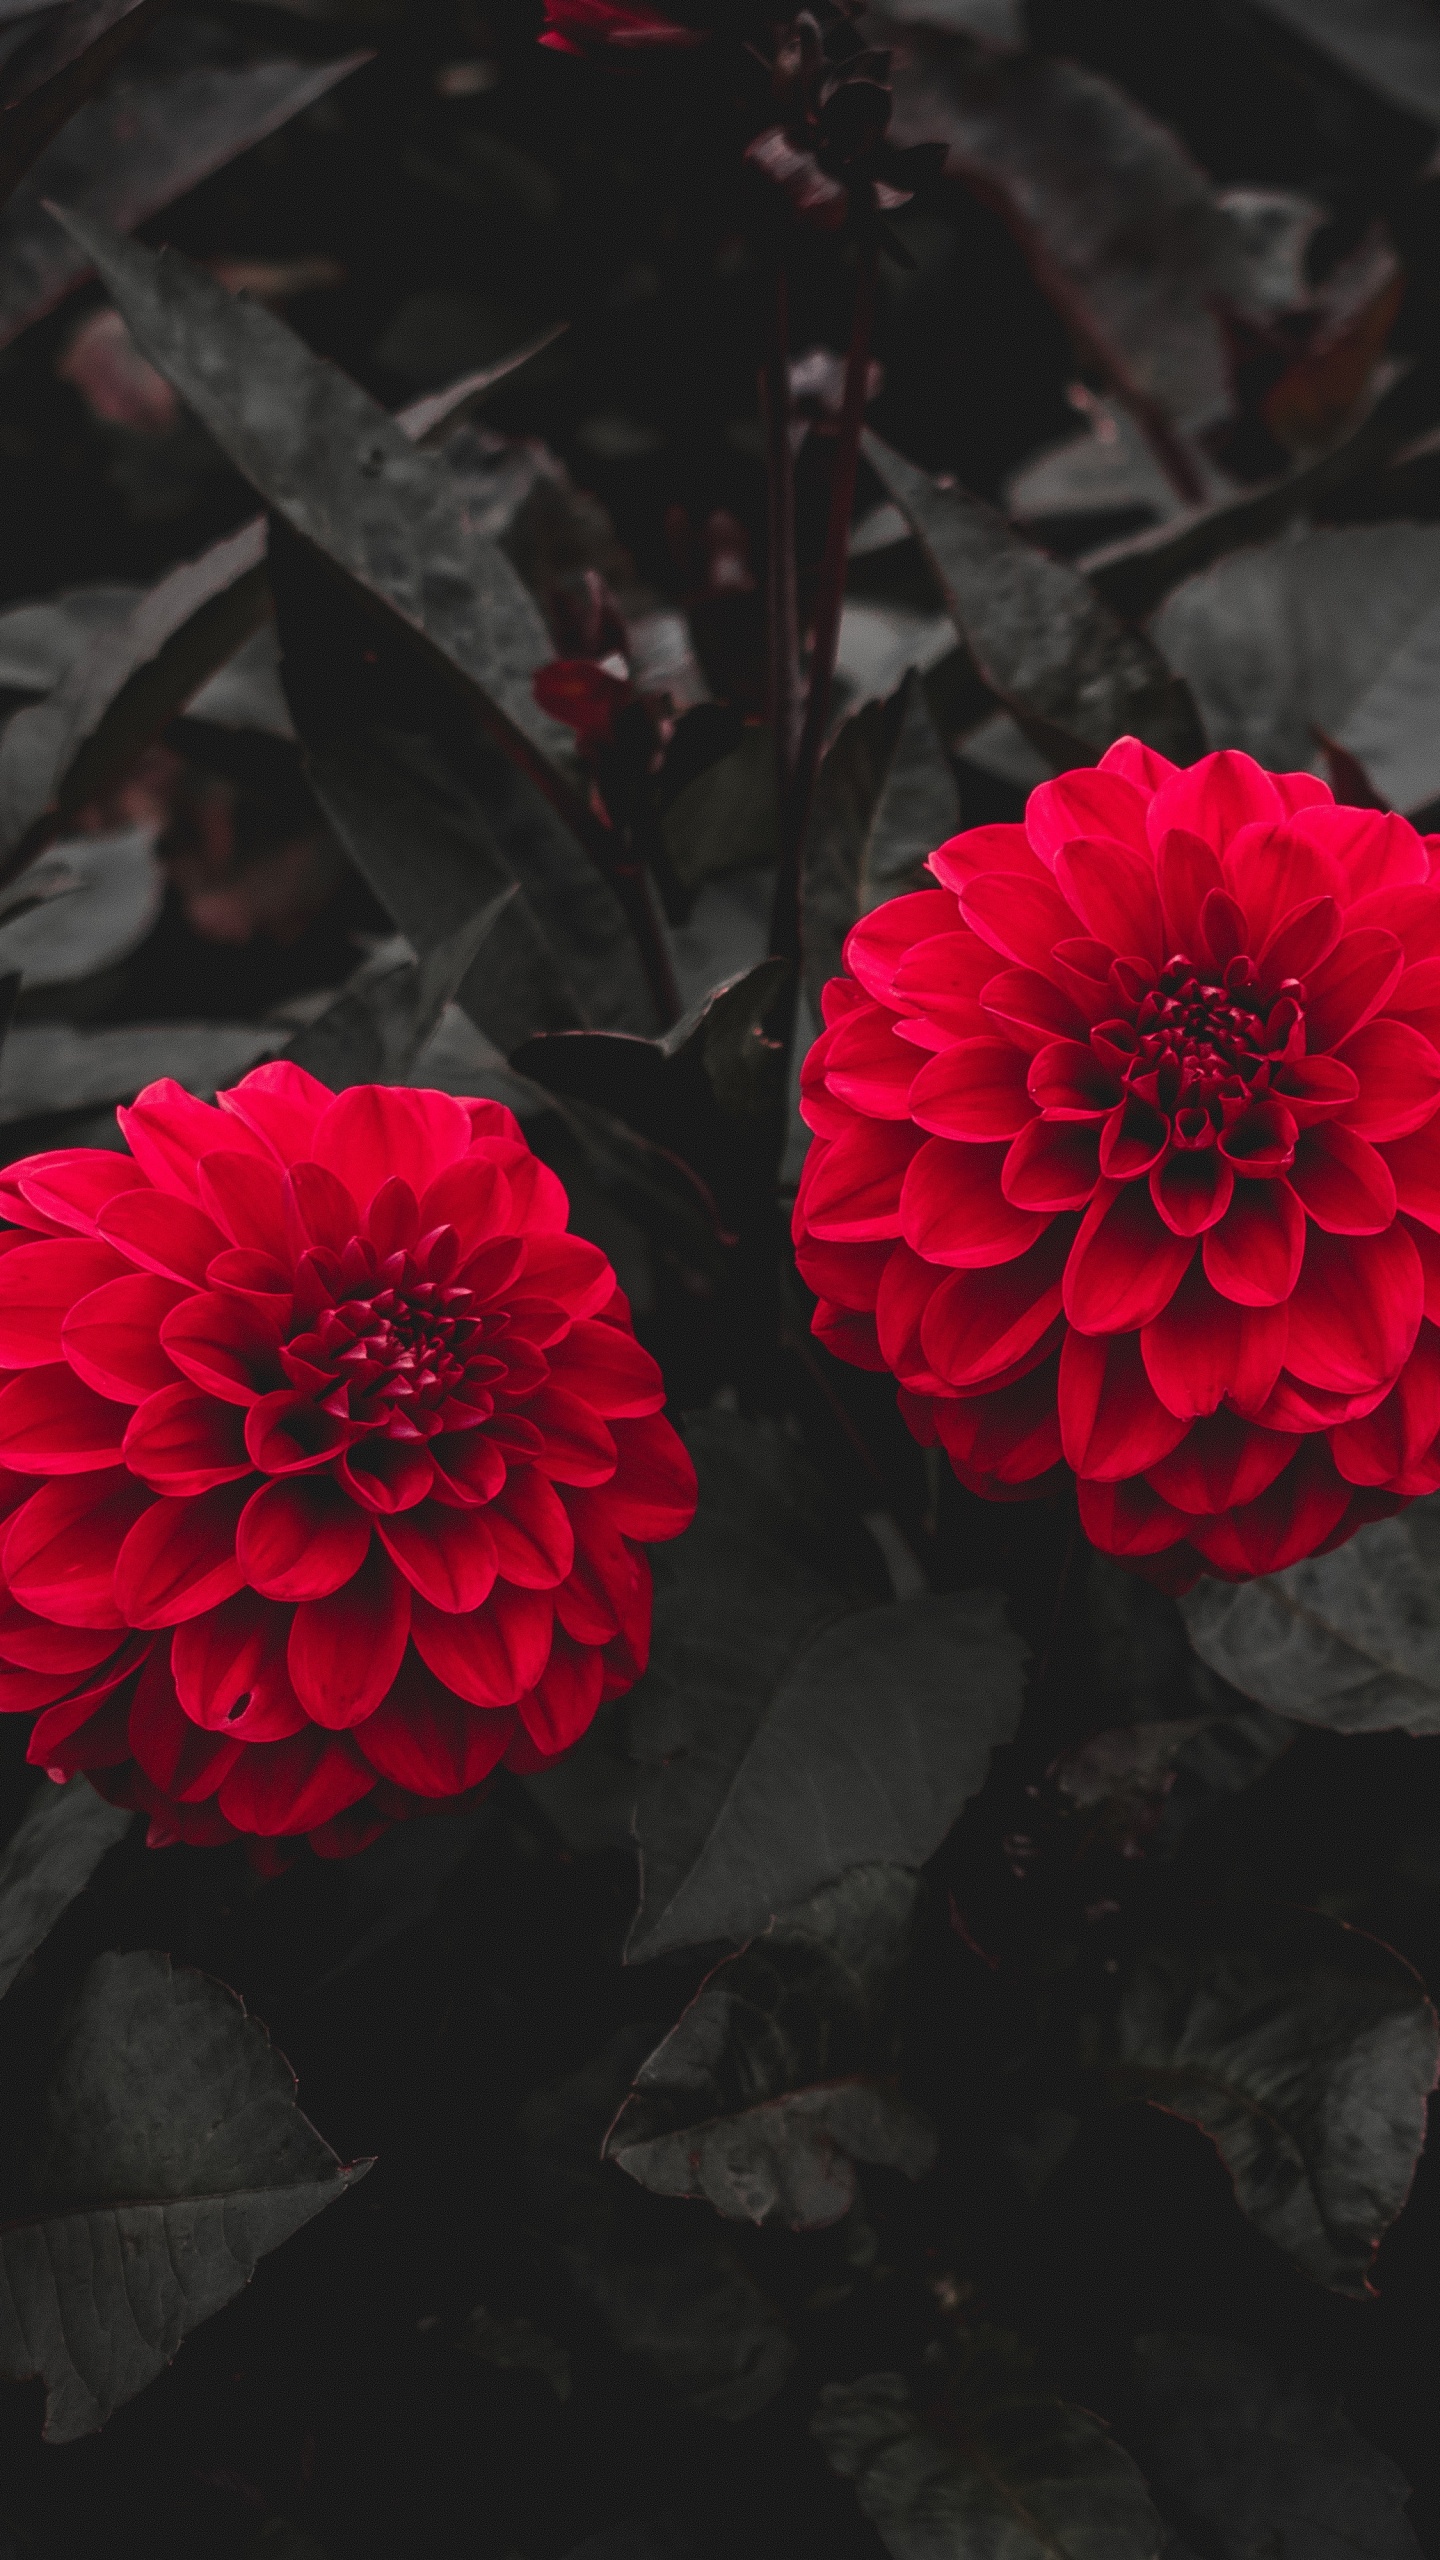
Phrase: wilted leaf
x=1307 y=2053
x=669 y=2289
x=989 y=2466
x=885 y=796
x=376 y=1028
x=762 y=2098
x=66 y=58
x=95 y=898
x=345 y=477
x=1350 y=1640
x=1046 y=645
x=163 y=2156
x=47 y=1066
x=789 y=1733
x=1390 y=46
x=1337 y=632
x=65 y=1833
x=1247 y=2458
x=127 y=155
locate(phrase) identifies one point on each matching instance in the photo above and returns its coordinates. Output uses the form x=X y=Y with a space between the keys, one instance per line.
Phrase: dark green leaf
x=1307 y=2053
x=128 y=154
x=763 y=2097
x=65 y=59
x=990 y=2466
x=669 y=2290
x=56 y=1850
x=1350 y=1640
x=885 y=796
x=790 y=1733
x=1392 y=46
x=725 y=819
x=48 y=1066
x=345 y=477
x=515 y=2345
x=86 y=905
x=164 y=2155
x=1046 y=645
x=1246 y=2458
x=375 y=1030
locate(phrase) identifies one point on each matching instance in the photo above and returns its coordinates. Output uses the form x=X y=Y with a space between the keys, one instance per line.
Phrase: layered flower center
x=1199 y=1051
x=399 y=1351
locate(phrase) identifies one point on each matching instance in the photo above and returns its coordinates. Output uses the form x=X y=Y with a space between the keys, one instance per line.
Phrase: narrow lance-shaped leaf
x=67 y=57
x=65 y=1833
x=1071 y=672
x=766 y=2093
x=344 y=476
x=1307 y=2052
x=989 y=2465
x=163 y=2155
x=125 y=155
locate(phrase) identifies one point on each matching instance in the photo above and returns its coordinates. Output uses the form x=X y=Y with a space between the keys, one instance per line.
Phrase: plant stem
x=785 y=936
x=782 y=604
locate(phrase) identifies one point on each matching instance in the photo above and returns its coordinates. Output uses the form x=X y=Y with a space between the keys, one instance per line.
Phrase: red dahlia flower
x=1126 y=1159
x=592 y=26
x=345 y=1445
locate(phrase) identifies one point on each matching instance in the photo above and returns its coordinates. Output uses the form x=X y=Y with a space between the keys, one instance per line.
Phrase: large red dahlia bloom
x=1127 y=1160
x=343 y=1445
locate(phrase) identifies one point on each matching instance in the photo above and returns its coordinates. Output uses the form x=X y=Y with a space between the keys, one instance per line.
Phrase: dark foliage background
x=1107 y=1988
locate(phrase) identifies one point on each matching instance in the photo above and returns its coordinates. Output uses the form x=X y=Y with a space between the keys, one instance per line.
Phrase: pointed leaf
x=47 y=1861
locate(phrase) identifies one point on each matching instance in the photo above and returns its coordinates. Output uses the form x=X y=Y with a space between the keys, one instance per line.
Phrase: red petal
x=111 y=1338
x=162 y=1234
x=563 y=1702
x=1022 y=918
x=1091 y=801
x=1427 y=1245
x=1261 y=1142
x=868 y=1067
x=448 y=1556
x=978 y=1323
x=905 y=1292
x=853 y=1192
x=83 y=1734
x=60 y=1548
x=1346 y=1186
x=1300 y=941
x=372 y=1131
x=230 y=1670
x=279 y=1789
x=1068 y=1082
x=181 y=1441
x=1001 y=847
x=1053 y=1164
x=1314 y=1089
x=1254 y=1254
x=531 y=1527
x=1142 y=765
x=953 y=1210
x=300 y=1539
x=39 y=1284
x=1193 y=1189
x=1374 y=850
x=1291 y=1520
x=1399 y=1076
x=876 y=946
x=1215 y=798
x=1128 y=1519
x=940 y=980
x=281 y=1103
x=1356 y=1309
x=1125 y=1264
x=245 y=1195
x=1114 y=895
x=1384 y=1444
x=1221 y=1462
x=225 y=1345
x=1030 y=1009
x=1204 y=1348
x=652 y=1493
x=491 y=1656
x=51 y=1424
x=167 y=1131
x=345 y=1651
x=578 y=1448
x=184 y=1761
x=466 y=1468
x=36 y=1645
x=975 y=1089
x=1186 y=871
x=1112 y=1423
x=390 y=1475
x=71 y=1185
x=288 y=1434
x=1011 y=1436
x=1132 y=1140
x=607 y=1366
x=425 y=1739
x=179 y=1559
x=575 y=1274
x=319 y=1210
x=1342 y=994
x=1274 y=870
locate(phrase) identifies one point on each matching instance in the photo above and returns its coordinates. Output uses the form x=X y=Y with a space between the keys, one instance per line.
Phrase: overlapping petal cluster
x=1127 y=1160
x=324 y=1455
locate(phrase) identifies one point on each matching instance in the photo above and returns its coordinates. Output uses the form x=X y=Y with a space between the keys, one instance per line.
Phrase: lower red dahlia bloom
x=1127 y=1160
x=344 y=1445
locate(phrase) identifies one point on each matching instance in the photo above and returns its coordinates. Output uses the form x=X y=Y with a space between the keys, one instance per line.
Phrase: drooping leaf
x=344 y=476
x=789 y=1733
x=1307 y=2052
x=885 y=796
x=66 y=58
x=162 y=2157
x=988 y=2464
x=376 y=1028
x=65 y=1833
x=669 y=2289
x=1350 y=1640
x=1337 y=632
x=49 y=1066
x=86 y=905
x=128 y=154
x=1046 y=645
x=764 y=2096
x=1389 y=46
x=1246 y=2457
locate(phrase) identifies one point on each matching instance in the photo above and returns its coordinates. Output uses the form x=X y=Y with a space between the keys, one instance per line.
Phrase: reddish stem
x=782 y=603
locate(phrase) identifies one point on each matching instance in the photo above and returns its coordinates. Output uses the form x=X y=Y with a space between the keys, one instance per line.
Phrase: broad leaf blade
x=1046 y=645
x=375 y=1030
x=1246 y=2457
x=989 y=2468
x=1391 y=46
x=884 y=798
x=1350 y=1640
x=763 y=2097
x=1307 y=2052
x=165 y=2156
x=47 y=1861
